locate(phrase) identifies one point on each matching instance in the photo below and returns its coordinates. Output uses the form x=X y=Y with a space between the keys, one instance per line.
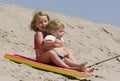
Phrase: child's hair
x=33 y=22
x=54 y=25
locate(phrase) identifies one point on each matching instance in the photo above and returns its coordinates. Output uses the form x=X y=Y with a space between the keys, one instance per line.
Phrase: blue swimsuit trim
x=61 y=56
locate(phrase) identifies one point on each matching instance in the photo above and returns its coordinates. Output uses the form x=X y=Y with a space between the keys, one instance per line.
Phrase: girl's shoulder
x=38 y=34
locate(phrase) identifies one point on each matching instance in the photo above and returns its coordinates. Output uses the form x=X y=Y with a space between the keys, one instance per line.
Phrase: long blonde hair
x=33 y=22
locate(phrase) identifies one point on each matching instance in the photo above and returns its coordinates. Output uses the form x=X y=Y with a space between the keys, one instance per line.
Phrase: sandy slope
x=88 y=41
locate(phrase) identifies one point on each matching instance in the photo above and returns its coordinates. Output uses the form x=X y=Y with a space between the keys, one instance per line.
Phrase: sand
x=89 y=41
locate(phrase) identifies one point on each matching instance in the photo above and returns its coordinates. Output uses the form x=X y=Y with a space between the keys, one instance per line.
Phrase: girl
x=39 y=24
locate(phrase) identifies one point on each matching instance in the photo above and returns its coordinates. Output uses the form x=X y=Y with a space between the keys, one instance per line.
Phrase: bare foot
x=89 y=70
x=81 y=66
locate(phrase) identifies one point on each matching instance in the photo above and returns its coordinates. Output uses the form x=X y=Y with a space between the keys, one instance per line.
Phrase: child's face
x=59 y=33
x=41 y=22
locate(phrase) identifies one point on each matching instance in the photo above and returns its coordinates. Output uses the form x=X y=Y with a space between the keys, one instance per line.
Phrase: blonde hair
x=54 y=25
x=33 y=22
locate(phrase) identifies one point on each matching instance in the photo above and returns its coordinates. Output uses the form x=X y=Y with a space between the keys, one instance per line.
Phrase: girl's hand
x=52 y=44
x=58 y=43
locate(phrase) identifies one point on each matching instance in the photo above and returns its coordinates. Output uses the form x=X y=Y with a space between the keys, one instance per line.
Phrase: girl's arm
x=52 y=44
x=47 y=43
x=39 y=38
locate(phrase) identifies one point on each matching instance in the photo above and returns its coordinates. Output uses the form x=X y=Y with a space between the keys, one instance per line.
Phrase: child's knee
x=51 y=52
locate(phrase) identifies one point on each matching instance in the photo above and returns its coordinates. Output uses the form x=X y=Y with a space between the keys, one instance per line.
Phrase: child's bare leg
x=70 y=55
x=88 y=70
x=52 y=56
x=38 y=55
x=74 y=64
x=82 y=65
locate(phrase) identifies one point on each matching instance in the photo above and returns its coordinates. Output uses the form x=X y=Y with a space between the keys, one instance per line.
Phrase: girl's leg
x=81 y=66
x=70 y=55
x=74 y=64
x=51 y=56
x=71 y=60
x=88 y=70
x=38 y=55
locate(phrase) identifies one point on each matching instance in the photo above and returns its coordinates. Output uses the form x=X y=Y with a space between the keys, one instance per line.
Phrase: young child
x=55 y=31
x=38 y=25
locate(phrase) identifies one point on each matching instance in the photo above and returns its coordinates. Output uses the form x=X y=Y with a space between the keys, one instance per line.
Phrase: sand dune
x=88 y=41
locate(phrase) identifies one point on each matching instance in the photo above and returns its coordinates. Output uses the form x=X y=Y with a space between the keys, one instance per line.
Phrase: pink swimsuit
x=36 y=44
x=38 y=50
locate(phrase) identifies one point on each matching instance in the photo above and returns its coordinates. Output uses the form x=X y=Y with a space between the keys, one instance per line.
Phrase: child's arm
x=39 y=39
x=52 y=44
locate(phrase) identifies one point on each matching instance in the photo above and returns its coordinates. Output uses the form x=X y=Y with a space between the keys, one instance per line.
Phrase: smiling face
x=55 y=28
x=58 y=33
x=41 y=23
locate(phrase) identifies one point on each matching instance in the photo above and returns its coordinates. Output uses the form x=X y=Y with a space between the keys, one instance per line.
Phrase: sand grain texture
x=88 y=41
